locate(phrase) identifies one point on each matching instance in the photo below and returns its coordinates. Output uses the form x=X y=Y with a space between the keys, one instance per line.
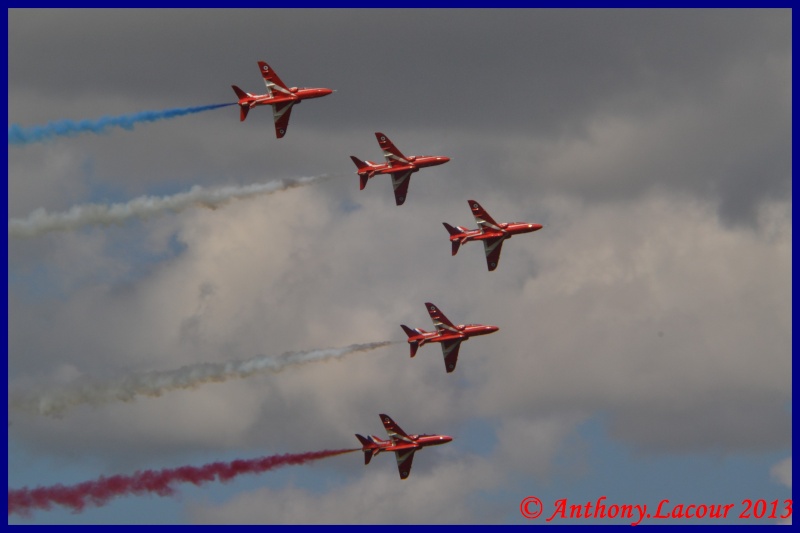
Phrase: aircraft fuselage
x=465 y=331
x=420 y=441
x=414 y=164
x=296 y=96
x=506 y=231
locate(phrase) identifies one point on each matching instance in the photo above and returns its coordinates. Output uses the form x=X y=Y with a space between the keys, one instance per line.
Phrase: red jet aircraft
x=490 y=232
x=398 y=165
x=279 y=96
x=400 y=443
x=446 y=333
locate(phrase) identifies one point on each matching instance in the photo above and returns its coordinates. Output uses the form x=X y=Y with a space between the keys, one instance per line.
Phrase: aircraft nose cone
x=492 y=329
x=445 y=439
x=443 y=159
x=325 y=92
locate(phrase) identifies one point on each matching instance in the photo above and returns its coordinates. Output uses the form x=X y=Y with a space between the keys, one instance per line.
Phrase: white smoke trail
x=53 y=402
x=40 y=221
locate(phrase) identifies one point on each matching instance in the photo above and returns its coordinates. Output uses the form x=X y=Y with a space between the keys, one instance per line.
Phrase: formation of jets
x=449 y=335
x=400 y=168
x=402 y=444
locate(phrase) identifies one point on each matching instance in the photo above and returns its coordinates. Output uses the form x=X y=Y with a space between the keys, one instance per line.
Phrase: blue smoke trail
x=69 y=128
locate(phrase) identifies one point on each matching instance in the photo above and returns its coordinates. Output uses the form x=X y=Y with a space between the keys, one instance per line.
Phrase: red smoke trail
x=100 y=491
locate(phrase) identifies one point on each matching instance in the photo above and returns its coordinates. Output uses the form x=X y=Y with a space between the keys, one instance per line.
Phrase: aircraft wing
x=492 y=247
x=395 y=432
x=404 y=460
x=281 y=114
x=400 y=181
x=439 y=320
x=450 y=351
x=390 y=151
x=482 y=217
x=271 y=80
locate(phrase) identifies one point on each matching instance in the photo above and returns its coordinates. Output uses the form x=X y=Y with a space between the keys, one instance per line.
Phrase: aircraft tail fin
x=364 y=172
x=453 y=233
x=368 y=446
x=450 y=229
x=359 y=163
x=243 y=109
x=411 y=333
x=239 y=93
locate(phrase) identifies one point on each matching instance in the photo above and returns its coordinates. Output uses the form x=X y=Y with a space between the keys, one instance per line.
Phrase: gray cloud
x=657 y=98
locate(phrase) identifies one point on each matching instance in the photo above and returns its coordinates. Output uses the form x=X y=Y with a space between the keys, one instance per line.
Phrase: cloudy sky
x=644 y=350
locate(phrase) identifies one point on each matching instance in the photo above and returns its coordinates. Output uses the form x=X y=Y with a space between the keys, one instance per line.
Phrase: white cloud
x=653 y=312
x=529 y=446
x=442 y=494
x=782 y=472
